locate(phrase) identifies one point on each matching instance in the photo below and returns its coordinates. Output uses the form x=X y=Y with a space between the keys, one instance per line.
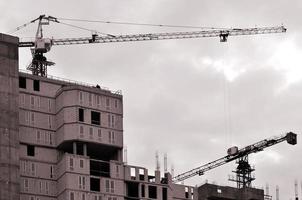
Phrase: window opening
x=36 y=85
x=95 y=118
x=22 y=82
x=95 y=184
x=152 y=192
x=81 y=114
x=30 y=150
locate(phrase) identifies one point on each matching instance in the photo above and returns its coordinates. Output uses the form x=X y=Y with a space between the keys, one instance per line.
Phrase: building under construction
x=63 y=140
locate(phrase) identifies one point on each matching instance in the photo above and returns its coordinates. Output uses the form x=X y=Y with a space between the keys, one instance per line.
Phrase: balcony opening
x=141 y=174
x=152 y=192
x=143 y=190
x=95 y=118
x=132 y=189
x=99 y=168
x=133 y=173
x=165 y=194
x=95 y=184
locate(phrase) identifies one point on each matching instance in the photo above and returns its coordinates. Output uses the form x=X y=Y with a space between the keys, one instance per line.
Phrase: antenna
x=296 y=190
x=277 y=192
x=165 y=163
x=267 y=189
x=157 y=161
x=125 y=155
x=172 y=172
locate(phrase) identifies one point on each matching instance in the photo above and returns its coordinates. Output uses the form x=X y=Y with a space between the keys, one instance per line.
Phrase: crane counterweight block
x=291 y=138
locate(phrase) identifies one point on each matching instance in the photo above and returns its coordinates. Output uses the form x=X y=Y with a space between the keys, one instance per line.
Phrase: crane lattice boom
x=42 y=45
x=223 y=34
x=290 y=137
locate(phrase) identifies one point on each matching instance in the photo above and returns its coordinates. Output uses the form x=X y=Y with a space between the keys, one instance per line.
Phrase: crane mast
x=235 y=153
x=42 y=45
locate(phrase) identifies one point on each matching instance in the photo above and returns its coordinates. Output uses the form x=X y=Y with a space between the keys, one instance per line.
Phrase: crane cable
x=19 y=28
x=86 y=29
x=139 y=24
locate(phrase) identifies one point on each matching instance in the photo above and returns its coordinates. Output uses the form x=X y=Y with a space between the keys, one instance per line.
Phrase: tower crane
x=42 y=45
x=243 y=170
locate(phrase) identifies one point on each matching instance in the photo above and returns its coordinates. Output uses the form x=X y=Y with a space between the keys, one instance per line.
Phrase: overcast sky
x=193 y=98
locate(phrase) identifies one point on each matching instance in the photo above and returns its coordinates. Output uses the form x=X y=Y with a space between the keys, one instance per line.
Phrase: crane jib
x=290 y=137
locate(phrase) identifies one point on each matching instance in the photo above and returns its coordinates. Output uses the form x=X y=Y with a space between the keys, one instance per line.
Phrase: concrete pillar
x=74 y=148
x=85 y=149
x=9 y=118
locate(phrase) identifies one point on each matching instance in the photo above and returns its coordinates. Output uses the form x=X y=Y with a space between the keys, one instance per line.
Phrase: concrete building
x=63 y=140
x=217 y=192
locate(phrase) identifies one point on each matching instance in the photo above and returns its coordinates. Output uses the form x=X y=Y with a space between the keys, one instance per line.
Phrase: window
x=47 y=138
x=90 y=99
x=111 y=137
x=165 y=194
x=81 y=131
x=219 y=191
x=83 y=196
x=46 y=187
x=81 y=163
x=95 y=118
x=49 y=121
x=99 y=134
x=26 y=184
x=38 y=100
x=152 y=192
x=186 y=192
x=51 y=171
x=81 y=114
x=192 y=193
x=50 y=138
x=71 y=196
x=33 y=169
x=71 y=163
x=49 y=105
x=32 y=118
x=98 y=102
x=117 y=170
x=22 y=99
x=81 y=97
x=22 y=82
x=107 y=185
x=112 y=186
x=26 y=117
x=109 y=121
x=32 y=101
x=95 y=184
x=30 y=150
x=38 y=136
x=112 y=121
x=143 y=190
x=115 y=103
x=91 y=133
x=107 y=102
x=133 y=173
x=141 y=174
x=36 y=85
x=41 y=186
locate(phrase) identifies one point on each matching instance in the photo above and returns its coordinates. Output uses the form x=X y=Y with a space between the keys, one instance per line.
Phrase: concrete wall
x=9 y=120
